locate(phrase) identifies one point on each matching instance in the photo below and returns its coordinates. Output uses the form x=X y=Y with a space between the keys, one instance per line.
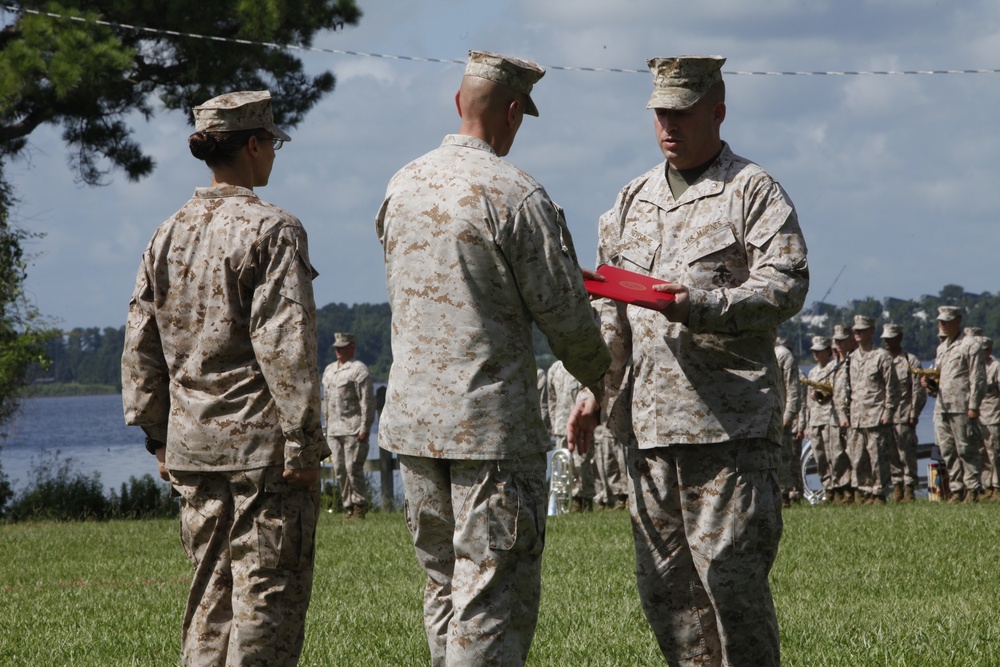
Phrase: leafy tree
x=75 y=64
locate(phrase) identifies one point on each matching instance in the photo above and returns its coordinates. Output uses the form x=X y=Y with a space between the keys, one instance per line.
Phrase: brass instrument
x=561 y=482
x=823 y=391
x=812 y=483
x=933 y=376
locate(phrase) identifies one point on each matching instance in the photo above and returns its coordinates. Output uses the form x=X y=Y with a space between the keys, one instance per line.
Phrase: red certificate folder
x=633 y=288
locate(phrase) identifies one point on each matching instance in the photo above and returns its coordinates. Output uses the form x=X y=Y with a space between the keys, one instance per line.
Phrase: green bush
x=60 y=494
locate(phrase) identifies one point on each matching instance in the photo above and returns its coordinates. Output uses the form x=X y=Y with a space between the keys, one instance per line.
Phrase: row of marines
x=863 y=402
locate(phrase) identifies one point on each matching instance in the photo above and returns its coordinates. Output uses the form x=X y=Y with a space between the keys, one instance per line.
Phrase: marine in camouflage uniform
x=701 y=404
x=873 y=395
x=989 y=417
x=563 y=391
x=841 y=437
x=818 y=419
x=790 y=473
x=349 y=412
x=960 y=390
x=903 y=447
x=475 y=252
x=219 y=369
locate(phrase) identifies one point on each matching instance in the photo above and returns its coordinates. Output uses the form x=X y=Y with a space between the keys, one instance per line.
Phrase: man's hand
x=301 y=477
x=161 y=463
x=972 y=414
x=680 y=308
x=592 y=275
x=583 y=419
x=363 y=435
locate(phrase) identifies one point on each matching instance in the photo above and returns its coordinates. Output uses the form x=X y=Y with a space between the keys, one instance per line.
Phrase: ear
x=458 y=103
x=512 y=113
x=253 y=144
x=719 y=112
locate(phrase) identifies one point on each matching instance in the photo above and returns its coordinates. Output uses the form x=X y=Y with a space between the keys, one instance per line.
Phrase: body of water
x=90 y=432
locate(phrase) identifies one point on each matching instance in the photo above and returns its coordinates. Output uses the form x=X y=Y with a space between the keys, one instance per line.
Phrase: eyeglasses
x=278 y=143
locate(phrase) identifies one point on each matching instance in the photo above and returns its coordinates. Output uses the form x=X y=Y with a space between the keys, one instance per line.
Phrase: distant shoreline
x=56 y=389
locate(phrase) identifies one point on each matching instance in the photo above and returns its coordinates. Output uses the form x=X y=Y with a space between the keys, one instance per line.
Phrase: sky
x=894 y=177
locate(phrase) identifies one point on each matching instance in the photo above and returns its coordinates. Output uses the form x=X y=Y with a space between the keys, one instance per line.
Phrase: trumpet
x=933 y=376
x=823 y=391
x=561 y=482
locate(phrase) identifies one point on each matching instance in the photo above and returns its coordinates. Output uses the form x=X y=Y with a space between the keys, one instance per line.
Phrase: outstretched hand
x=301 y=477
x=679 y=309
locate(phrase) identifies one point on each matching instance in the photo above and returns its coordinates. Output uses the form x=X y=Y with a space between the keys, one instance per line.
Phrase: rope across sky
x=362 y=54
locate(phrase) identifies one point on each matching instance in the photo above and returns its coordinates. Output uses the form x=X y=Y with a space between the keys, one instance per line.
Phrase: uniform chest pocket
x=716 y=258
x=638 y=249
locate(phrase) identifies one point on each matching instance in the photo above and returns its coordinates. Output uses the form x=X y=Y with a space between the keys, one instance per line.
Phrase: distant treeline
x=93 y=356
x=918 y=318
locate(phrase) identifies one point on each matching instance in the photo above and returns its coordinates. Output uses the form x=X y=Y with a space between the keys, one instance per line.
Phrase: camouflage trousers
x=959 y=449
x=869 y=453
x=583 y=470
x=348 y=454
x=819 y=440
x=790 y=472
x=478 y=530
x=609 y=464
x=991 y=447
x=903 y=455
x=251 y=539
x=706 y=520
x=836 y=454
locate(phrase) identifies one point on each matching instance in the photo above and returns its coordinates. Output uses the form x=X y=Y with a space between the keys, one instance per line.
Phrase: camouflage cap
x=820 y=343
x=973 y=331
x=987 y=342
x=680 y=81
x=891 y=330
x=949 y=313
x=863 y=322
x=243 y=110
x=343 y=339
x=840 y=332
x=514 y=73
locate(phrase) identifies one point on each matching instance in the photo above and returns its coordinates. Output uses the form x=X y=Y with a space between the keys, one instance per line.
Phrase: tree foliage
x=89 y=77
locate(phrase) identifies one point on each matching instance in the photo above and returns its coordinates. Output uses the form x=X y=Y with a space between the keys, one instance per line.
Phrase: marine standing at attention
x=349 y=412
x=702 y=402
x=475 y=251
x=219 y=370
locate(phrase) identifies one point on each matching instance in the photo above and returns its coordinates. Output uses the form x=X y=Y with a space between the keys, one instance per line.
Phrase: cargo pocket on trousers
x=502 y=516
x=514 y=514
x=286 y=525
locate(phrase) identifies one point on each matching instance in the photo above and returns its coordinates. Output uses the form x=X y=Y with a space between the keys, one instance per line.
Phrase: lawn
x=854 y=586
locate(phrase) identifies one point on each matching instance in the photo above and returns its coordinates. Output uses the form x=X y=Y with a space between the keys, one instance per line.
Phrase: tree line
x=92 y=356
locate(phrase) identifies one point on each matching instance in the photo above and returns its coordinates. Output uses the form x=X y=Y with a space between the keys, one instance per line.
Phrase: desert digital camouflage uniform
x=961 y=387
x=610 y=473
x=563 y=391
x=873 y=396
x=989 y=419
x=349 y=409
x=903 y=449
x=703 y=407
x=790 y=471
x=475 y=252
x=819 y=424
x=841 y=435
x=542 y=382
x=220 y=364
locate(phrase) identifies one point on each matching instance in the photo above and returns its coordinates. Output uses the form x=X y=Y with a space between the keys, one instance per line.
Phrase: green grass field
x=854 y=586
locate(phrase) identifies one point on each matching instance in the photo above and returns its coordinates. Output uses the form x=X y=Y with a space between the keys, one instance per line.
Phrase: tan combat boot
x=897 y=493
x=909 y=494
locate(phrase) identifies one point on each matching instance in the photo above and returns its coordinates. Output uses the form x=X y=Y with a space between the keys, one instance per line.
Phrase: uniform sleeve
x=893 y=392
x=919 y=394
x=283 y=334
x=366 y=394
x=548 y=276
x=977 y=376
x=145 y=381
x=779 y=275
